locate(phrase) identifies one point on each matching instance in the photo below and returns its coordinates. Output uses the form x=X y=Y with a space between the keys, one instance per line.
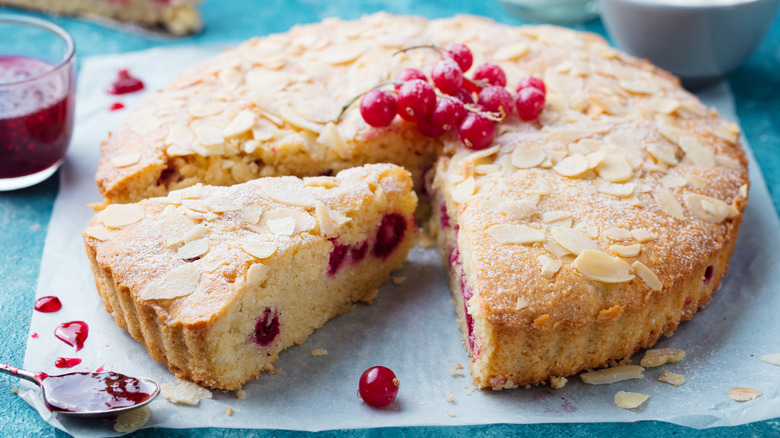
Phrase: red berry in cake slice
x=460 y=54
x=447 y=76
x=378 y=386
x=378 y=108
x=529 y=102
x=491 y=74
x=476 y=131
x=416 y=100
x=496 y=99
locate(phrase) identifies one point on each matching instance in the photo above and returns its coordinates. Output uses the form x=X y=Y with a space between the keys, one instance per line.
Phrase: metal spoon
x=90 y=394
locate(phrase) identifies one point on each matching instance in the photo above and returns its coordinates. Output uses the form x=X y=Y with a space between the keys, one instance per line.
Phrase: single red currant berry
x=496 y=99
x=529 y=103
x=448 y=114
x=378 y=386
x=416 y=99
x=378 y=108
x=447 y=76
x=530 y=81
x=408 y=74
x=460 y=54
x=470 y=86
x=429 y=128
x=476 y=131
x=464 y=96
x=490 y=73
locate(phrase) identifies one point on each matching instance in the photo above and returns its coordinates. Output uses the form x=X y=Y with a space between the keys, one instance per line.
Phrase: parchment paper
x=410 y=328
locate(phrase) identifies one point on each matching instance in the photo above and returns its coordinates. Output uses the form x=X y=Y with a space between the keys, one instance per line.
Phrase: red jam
x=48 y=304
x=73 y=333
x=125 y=83
x=116 y=106
x=66 y=362
x=79 y=392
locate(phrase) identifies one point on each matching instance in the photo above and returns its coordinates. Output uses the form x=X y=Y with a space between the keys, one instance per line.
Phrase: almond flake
x=521 y=304
x=519 y=210
x=143 y=122
x=744 y=394
x=618 y=190
x=642 y=236
x=558 y=382
x=550 y=266
x=619 y=234
x=572 y=166
x=283 y=226
x=727 y=162
x=555 y=249
x=626 y=250
x=630 y=400
x=185 y=393
x=774 y=359
x=296 y=120
x=615 y=168
x=698 y=154
x=743 y=191
x=206 y=109
x=241 y=123
x=672 y=378
x=343 y=53
x=194 y=233
x=125 y=160
x=668 y=203
x=251 y=214
x=515 y=234
x=177 y=282
x=728 y=131
x=288 y=191
x=708 y=209
x=555 y=216
x=648 y=276
x=259 y=248
x=664 y=153
x=600 y=266
x=573 y=240
x=319 y=352
x=511 y=52
x=661 y=356
x=464 y=190
x=194 y=249
x=120 y=215
x=221 y=205
x=672 y=181
x=100 y=232
x=328 y=226
x=612 y=375
x=527 y=158
x=132 y=420
x=278 y=221
x=256 y=274
x=541 y=187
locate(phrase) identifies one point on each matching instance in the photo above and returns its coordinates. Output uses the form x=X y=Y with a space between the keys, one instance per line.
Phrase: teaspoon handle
x=26 y=375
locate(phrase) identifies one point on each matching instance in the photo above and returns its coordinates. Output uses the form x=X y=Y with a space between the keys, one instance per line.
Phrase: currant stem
x=354 y=99
x=440 y=50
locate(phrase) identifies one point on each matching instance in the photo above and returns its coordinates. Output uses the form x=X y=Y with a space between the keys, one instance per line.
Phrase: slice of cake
x=216 y=281
x=179 y=17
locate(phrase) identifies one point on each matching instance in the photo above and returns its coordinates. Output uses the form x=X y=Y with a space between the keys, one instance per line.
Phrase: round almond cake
x=572 y=241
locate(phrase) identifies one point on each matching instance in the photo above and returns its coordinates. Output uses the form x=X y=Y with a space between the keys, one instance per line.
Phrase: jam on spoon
x=90 y=394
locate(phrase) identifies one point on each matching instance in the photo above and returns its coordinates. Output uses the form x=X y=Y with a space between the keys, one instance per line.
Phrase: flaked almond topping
x=185 y=393
x=727 y=162
x=615 y=168
x=328 y=226
x=256 y=274
x=600 y=266
x=241 y=123
x=647 y=275
x=125 y=160
x=774 y=359
x=251 y=214
x=618 y=190
x=708 y=209
x=278 y=221
x=292 y=117
x=100 y=232
x=630 y=400
x=619 y=234
x=120 y=215
x=663 y=152
x=668 y=203
x=201 y=110
x=515 y=234
x=182 y=137
x=288 y=191
x=661 y=356
x=672 y=181
x=550 y=266
x=143 y=121
x=573 y=240
x=132 y=420
x=541 y=188
x=511 y=52
x=343 y=53
x=464 y=189
x=193 y=192
x=555 y=215
x=528 y=158
x=178 y=282
x=698 y=154
x=728 y=131
x=194 y=249
x=672 y=378
x=283 y=226
x=194 y=233
x=259 y=248
x=744 y=394
x=626 y=250
x=667 y=106
x=521 y=304
x=520 y=210
x=743 y=191
x=612 y=375
x=642 y=236
x=555 y=249
x=572 y=166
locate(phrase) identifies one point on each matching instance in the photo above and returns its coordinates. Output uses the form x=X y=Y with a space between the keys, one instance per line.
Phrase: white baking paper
x=410 y=328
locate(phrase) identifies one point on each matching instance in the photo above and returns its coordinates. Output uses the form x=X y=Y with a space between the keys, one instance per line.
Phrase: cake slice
x=216 y=281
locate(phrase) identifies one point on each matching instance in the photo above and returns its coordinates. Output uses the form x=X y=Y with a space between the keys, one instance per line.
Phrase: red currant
x=448 y=114
x=378 y=386
x=530 y=81
x=460 y=54
x=490 y=73
x=470 y=86
x=529 y=103
x=476 y=131
x=408 y=74
x=416 y=99
x=378 y=108
x=447 y=76
x=495 y=99
x=429 y=128
x=464 y=96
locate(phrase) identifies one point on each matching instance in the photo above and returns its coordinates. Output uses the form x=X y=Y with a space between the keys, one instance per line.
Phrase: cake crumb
x=661 y=356
x=457 y=372
x=449 y=398
x=398 y=280
x=558 y=382
x=450 y=414
x=241 y=394
x=185 y=393
x=369 y=297
x=275 y=371
x=132 y=420
x=626 y=361
x=319 y=352
x=744 y=394
x=671 y=378
x=630 y=400
x=15 y=390
x=229 y=411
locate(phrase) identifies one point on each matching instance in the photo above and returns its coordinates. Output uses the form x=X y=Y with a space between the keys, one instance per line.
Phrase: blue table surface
x=25 y=214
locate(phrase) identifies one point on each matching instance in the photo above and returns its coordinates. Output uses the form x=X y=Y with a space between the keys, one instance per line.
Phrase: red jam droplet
x=80 y=392
x=34 y=335
x=125 y=83
x=116 y=106
x=66 y=362
x=48 y=304
x=73 y=333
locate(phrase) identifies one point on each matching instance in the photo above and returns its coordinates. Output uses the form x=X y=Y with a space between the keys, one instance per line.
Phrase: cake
x=216 y=281
x=178 y=17
x=573 y=241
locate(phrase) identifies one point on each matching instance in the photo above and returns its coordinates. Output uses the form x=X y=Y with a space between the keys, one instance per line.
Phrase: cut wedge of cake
x=216 y=281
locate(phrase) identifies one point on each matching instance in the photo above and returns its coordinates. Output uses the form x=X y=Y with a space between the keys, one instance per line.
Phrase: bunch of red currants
x=451 y=105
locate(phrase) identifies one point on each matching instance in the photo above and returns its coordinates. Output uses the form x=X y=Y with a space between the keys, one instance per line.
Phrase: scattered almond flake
x=192 y=192
x=194 y=249
x=642 y=236
x=572 y=240
x=185 y=393
x=511 y=52
x=558 y=382
x=630 y=400
x=667 y=106
x=555 y=215
x=125 y=160
x=175 y=228
x=572 y=166
x=100 y=232
x=328 y=226
x=648 y=276
x=241 y=394
x=612 y=375
x=522 y=303
x=615 y=168
x=15 y=390
x=398 y=280
x=743 y=191
x=528 y=158
x=626 y=250
x=288 y=191
x=178 y=282
x=449 y=398
x=698 y=154
x=201 y=110
x=549 y=266
x=774 y=359
x=672 y=378
x=256 y=274
x=744 y=394
x=619 y=234
x=727 y=162
x=618 y=190
x=515 y=234
x=668 y=203
x=661 y=356
x=241 y=123
x=259 y=248
x=708 y=209
x=664 y=153
x=464 y=189
x=229 y=411
x=181 y=139
x=284 y=226
x=555 y=249
x=343 y=53
x=600 y=266
x=120 y=215
x=132 y=420
x=319 y=352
